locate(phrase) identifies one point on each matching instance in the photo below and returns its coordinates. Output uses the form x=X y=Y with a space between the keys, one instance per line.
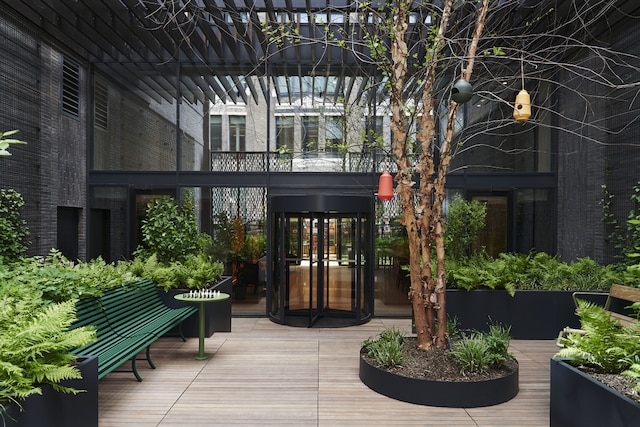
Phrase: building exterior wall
x=50 y=170
x=580 y=174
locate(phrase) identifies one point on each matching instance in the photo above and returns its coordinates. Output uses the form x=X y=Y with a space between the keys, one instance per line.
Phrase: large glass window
x=284 y=133
x=215 y=133
x=237 y=125
x=310 y=135
x=333 y=137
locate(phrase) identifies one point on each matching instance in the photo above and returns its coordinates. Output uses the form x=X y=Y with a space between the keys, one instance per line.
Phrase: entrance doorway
x=494 y=237
x=321 y=274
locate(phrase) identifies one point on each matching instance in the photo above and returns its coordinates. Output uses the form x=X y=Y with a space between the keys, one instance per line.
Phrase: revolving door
x=320 y=252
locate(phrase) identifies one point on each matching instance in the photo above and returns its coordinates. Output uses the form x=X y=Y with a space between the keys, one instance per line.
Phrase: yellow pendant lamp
x=522 y=108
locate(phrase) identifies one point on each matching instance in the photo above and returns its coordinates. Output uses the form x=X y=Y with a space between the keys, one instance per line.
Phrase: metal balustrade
x=256 y=161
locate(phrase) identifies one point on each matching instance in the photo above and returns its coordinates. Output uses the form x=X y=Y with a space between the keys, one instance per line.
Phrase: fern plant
x=603 y=344
x=34 y=347
x=533 y=271
x=194 y=272
x=59 y=279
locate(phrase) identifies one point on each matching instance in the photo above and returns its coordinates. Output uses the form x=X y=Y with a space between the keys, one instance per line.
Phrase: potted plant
x=195 y=272
x=586 y=373
x=254 y=249
x=173 y=254
x=42 y=383
x=514 y=287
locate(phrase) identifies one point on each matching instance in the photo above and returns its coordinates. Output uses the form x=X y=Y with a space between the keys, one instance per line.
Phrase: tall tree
x=563 y=52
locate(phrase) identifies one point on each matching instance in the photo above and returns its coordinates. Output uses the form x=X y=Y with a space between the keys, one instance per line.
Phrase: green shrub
x=218 y=245
x=169 y=231
x=623 y=235
x=471 y=353
x=194 y=272
x=13 y=229
x=634 y=372
x=465 y=219
x=387 y=349
x=58 y=279
x=478 y=352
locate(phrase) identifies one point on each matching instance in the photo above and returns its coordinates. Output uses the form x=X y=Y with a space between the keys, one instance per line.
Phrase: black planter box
x=532 y=315
x=577 y=399
x=217 y=314
x=56 y=409
x=439 y=393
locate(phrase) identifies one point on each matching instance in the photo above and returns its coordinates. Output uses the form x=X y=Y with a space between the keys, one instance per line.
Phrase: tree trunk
x=425 y=226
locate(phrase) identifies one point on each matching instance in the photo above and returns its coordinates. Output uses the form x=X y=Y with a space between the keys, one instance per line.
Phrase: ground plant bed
x=583 y=398
x=432 y=378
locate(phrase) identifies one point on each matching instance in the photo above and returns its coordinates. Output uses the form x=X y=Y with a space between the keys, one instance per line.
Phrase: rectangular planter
x=217 y=315
x=55 y=409
x=532 y=315
x=577 y=399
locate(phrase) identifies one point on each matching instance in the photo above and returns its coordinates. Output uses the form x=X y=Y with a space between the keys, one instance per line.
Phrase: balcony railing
x=228 y=161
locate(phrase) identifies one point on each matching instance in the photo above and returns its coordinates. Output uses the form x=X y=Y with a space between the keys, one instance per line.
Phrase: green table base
x=201 y=301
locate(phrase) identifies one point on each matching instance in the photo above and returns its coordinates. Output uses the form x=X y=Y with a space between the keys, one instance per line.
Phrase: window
x=284 y=133
x=101 y=106
x=215 y=133
x=310 y=135
x=71 y=88
x=333 y=136
x=237 y=133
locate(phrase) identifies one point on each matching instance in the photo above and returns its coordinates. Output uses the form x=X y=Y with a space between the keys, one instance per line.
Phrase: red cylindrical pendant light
x=385 y=186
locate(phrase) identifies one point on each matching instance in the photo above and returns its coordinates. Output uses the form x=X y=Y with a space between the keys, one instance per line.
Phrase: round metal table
x=201 y=300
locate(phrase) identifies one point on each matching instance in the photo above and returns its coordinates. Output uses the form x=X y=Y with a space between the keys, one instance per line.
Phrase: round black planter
x=439 y=393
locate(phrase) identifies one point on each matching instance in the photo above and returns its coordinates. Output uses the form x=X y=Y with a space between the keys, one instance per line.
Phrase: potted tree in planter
x=389 y=366
x=254 y=247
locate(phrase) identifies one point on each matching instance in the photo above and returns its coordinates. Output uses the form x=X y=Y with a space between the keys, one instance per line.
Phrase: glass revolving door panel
x=320 y=275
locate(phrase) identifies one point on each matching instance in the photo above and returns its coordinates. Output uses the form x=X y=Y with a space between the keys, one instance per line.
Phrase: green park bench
x=127 y=320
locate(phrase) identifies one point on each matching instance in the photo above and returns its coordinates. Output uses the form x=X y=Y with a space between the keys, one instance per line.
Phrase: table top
x=213 y=298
